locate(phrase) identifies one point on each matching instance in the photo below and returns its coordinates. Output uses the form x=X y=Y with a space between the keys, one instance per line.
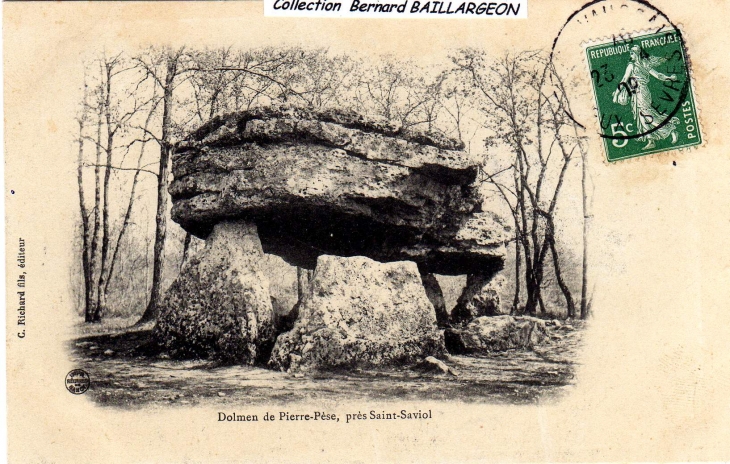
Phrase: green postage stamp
x=643 y=95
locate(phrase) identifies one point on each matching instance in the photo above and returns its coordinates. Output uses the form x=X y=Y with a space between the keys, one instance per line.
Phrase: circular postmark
x=78 y=381
x=637 y=80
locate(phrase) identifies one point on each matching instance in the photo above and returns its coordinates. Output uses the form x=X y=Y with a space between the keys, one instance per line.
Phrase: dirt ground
x=121 y=377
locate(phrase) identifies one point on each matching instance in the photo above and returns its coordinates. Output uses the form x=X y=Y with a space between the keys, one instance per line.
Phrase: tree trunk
x=559 y=277
x=584 y=285
x=105 y=237
x=85 y=251
x=163 y=181
x=541 y=303
x=533 y=281
x=532 y=285
x=518 y=259
x=92 y=315
x=213 y=100
x=533 y=293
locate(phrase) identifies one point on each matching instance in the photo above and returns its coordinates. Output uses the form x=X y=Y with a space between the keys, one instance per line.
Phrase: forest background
x=510 y=111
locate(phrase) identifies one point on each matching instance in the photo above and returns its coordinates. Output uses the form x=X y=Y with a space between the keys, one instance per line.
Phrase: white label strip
x=398 y=9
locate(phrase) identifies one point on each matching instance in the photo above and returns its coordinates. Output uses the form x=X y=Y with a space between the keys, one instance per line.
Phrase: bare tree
x=584 y=305
x=325 y=80
x=163 y=67
x=211 y=88
x=113 y=116
x=133 y=192
x=114 y=121
x=92 y=313
x=524 y=107
x=86 y=255
x=397 y=91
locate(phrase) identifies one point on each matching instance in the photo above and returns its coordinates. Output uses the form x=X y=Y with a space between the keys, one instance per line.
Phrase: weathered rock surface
x=479 y=298
x=333 y=182
x=214 y=129
x=219 y=307
x=360 y=313
x=431 y=364
x=498 y=333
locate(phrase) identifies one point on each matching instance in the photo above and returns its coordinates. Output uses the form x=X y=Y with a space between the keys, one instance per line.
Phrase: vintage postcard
x=362 y=231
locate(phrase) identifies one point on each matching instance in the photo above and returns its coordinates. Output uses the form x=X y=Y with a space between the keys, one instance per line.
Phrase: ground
x=121 y=377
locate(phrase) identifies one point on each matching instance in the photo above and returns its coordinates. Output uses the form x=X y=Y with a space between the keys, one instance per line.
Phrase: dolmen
x=374 y=209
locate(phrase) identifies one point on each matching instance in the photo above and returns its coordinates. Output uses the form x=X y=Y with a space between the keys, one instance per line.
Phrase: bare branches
x=282 y=85
x=500 y=186
x=130 y=203
x=512 y=108
x=148 y=133
x=525 y=109
x=120 y=168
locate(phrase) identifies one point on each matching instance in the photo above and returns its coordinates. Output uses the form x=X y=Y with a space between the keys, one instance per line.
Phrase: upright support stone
x=304 y=283
x=479 y=298
x=436 y=297
x=360 y=313
x=219 y=307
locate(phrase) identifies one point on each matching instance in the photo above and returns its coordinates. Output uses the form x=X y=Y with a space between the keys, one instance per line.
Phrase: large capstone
x=360 y=313
x=333 y=182
x=219 y=307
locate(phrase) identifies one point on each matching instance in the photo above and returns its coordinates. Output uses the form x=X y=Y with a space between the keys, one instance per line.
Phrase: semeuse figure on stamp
x=636 y=77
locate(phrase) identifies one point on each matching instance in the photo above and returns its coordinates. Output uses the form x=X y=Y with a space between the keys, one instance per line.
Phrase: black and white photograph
x=282 y=222
x=403 y=232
